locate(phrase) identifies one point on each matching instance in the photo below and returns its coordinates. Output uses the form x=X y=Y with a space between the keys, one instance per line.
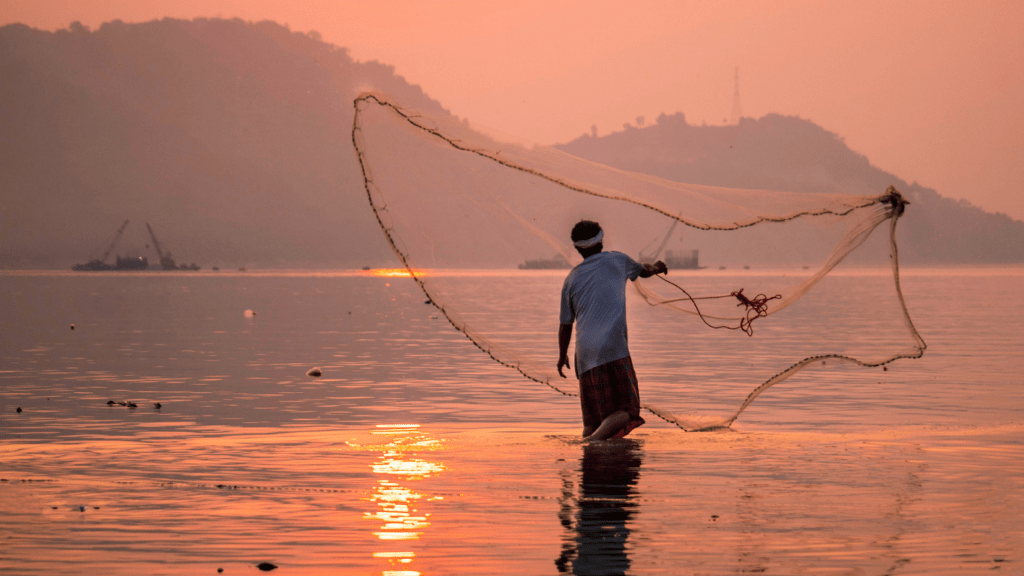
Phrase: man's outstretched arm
x=652 y=269
x=564 y=335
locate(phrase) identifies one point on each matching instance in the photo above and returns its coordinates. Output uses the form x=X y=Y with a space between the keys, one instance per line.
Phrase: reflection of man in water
x=594 y=297
x=606 y=505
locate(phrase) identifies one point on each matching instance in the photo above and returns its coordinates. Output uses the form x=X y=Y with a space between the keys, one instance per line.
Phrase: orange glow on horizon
x=393 y=272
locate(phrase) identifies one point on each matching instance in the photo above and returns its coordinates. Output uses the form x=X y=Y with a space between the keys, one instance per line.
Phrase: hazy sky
x=932 y=90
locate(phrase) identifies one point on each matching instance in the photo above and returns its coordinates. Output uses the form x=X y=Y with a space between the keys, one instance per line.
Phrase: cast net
x=482 y=225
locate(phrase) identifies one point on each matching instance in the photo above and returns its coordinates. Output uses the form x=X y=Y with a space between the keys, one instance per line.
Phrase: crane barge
x=130 y=262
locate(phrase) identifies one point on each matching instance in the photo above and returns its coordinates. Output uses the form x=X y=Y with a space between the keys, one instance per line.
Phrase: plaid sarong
x=608 y=388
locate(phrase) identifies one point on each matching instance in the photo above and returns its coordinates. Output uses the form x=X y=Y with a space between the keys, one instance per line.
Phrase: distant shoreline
x=905 y=270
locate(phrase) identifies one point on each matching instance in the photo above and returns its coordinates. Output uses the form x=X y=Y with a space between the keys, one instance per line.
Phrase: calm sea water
x=415 y=454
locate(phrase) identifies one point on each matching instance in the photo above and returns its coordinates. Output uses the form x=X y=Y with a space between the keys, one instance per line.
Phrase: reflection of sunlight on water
x=397 y=505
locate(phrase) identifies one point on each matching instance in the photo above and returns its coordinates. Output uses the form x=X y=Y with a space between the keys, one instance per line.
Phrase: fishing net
x=481 y=223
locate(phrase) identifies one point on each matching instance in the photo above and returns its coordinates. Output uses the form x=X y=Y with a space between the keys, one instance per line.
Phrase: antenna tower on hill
x=736 y=112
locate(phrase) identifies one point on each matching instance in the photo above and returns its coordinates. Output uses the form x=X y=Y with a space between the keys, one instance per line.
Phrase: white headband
x=589 y=241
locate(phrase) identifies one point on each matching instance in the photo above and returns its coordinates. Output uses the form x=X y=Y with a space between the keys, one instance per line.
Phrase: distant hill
x=232 y=139
x=788 y=153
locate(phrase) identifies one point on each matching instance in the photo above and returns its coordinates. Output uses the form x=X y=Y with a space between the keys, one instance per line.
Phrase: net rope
x=419 y=170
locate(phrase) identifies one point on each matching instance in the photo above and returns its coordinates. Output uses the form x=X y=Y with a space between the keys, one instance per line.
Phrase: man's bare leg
x=610 y=426
x=587 y=431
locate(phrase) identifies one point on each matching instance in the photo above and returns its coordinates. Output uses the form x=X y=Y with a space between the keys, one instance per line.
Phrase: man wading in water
x=594 y=296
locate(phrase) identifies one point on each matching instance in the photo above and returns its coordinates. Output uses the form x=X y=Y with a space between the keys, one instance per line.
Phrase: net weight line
x=754 y=309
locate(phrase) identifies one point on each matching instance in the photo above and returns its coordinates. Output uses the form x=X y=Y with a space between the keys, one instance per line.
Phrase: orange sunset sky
x=932 y=91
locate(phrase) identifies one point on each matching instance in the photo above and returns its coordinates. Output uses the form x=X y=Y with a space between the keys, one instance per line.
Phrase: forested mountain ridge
x=233 y=139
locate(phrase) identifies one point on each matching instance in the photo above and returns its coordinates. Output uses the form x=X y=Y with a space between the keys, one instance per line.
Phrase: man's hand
x=564 y=334
x=652 y=269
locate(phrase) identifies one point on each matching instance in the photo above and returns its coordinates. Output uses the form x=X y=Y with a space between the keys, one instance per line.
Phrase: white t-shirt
x=594 y=296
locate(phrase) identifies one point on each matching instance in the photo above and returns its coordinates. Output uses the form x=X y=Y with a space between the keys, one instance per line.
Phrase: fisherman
x=594 y=297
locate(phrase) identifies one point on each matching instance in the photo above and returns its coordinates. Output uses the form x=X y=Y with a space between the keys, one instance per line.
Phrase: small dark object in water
x=111 y=402
x=72 y=326
x=156 y=405
x=133 y=405
x=18 y=410
x=122 y=403
x=714 y=517
x=219 y=570
x=427 y=302
x=266 y=566
x=314 y=372
x=885 y=368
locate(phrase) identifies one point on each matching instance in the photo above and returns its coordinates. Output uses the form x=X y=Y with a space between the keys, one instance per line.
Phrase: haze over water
x=416 y=454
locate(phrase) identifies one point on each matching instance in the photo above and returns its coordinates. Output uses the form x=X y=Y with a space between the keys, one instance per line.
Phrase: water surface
x=416 y=454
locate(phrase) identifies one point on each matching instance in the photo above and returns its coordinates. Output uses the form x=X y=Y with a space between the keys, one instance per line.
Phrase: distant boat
x=673 y=261
x=131 y=262
x=556 y=263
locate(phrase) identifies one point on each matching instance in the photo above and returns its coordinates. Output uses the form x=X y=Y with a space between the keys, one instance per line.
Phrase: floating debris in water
x=18 y=410
x=249 y=313
x=72 y=326
x=314 y=372
x=133 y=405
x=219 y=570
x=266 y=566
x=111 y=402
x=157 y=405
